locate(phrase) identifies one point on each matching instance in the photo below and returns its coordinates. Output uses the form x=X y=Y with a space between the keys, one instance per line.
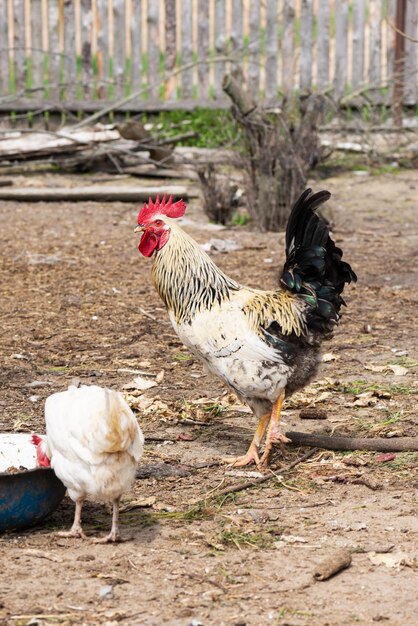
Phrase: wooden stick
x=103 y=194
x=375 y=444
x=259 y=481
x=338 y=561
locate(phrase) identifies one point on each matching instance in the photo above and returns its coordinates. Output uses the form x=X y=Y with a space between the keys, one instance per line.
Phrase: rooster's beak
x=139 y=229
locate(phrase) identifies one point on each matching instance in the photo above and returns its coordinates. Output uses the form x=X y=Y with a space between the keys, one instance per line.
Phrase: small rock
x=196 y=622
x=106 y=592
x=85 y=557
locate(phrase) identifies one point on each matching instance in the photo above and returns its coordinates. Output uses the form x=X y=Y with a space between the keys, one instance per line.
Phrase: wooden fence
x=155 y=54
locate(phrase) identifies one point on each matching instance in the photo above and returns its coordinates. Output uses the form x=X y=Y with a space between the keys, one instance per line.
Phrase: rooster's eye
x=158 y=223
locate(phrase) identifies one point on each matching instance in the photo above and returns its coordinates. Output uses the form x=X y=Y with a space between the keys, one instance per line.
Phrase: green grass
x=215 y=128
x=360 y=386
x=240 y=219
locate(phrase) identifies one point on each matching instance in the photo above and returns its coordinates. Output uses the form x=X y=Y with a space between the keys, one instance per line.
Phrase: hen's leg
x=114 y=531
x=75 y=530
x=273 y=432
x=252 y=453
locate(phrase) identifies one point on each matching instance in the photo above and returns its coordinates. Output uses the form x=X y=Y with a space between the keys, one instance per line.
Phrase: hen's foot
x=112 y=537
x=75 y=531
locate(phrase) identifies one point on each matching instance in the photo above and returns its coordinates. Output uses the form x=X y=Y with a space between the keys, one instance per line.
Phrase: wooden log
x=170 y=32
x=341 y=49
x=36 y=51
x=119 y=48
x=288 y=49
x=187 y=48
x=359 y=29
x=4 y=50
x=306 y=44
x=399 y=64
x=410 y=65
x=86 y=23
x=203 y=49
x=19 y=48
x=70 y=66
x=254 y=48
x=272 y=47
x=102 y=49
x=375 y=47
x=322 y=60
x=153 y=49
x=54 y=51
x=220 y=44
x=93 y=194
x=334 y=442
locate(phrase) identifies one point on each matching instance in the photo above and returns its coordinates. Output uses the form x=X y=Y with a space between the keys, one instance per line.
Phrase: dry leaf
x=375 y=368
x=392 y=559
x=142 y=384
x=398 y=370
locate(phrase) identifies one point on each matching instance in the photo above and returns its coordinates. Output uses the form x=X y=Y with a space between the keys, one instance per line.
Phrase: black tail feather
x=314 y=268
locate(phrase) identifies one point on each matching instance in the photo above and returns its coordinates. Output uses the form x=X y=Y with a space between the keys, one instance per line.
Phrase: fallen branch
x=375 y=444
x=341 y=559
x=259 y=481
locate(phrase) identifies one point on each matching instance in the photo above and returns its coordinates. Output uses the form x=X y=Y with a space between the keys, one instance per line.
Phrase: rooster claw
x=251 y=456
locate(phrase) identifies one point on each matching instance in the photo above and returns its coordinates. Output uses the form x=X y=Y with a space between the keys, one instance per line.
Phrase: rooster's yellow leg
x=252 y=453
x=273 y=432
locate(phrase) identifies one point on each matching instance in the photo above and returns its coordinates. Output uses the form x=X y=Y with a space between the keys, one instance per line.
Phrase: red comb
x=165 y=207
x=36 y=440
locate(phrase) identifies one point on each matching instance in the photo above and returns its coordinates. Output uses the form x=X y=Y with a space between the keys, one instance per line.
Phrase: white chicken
x=94 y=444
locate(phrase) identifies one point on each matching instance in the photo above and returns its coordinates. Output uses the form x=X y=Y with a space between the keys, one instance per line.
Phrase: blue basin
x=29 y=495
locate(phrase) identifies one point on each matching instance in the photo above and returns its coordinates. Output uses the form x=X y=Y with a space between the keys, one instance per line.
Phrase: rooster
x=262 y=344
x=93 y=443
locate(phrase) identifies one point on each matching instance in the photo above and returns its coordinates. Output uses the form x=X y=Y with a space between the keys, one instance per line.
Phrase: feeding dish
x=28 y=495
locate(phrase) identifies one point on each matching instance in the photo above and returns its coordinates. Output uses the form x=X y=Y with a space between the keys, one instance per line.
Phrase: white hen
x=94 y=444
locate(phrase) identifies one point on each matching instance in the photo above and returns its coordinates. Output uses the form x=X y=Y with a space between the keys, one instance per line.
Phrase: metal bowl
x=26 y=496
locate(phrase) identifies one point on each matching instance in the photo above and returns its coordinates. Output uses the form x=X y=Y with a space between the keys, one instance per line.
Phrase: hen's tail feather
x=314 y=268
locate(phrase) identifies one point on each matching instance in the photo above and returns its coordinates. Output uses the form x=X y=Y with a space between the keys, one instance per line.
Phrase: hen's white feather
x=94 y=440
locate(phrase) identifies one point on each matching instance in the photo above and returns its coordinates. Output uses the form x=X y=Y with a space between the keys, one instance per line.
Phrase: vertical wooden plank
x=70 y=62
x=306 y=44
x=411 y=49
x=36 y=52
x=170 y=33
x=288 y=48
x=375 y=27
x=4 y=50
x=390 y=44
x=359 y=31
x=220 y=44
x=236 y=27
x=86 y=23
x=54 y=56
x=119 y=49
x=254 y=48
x=341 y=47
x=203 y=49
x=187 y=48
x=103 y=49
x=322 y=60
x=19 y=51
x=272 y=43
x=153 y=49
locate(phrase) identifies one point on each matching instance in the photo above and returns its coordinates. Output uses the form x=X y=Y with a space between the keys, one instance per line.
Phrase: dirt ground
x=76 y=300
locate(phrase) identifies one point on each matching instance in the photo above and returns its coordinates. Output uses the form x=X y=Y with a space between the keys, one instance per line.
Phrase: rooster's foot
x=275 y=437
x=251 y=456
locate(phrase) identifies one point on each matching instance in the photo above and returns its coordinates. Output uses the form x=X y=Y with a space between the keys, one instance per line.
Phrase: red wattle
x=148 y=243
